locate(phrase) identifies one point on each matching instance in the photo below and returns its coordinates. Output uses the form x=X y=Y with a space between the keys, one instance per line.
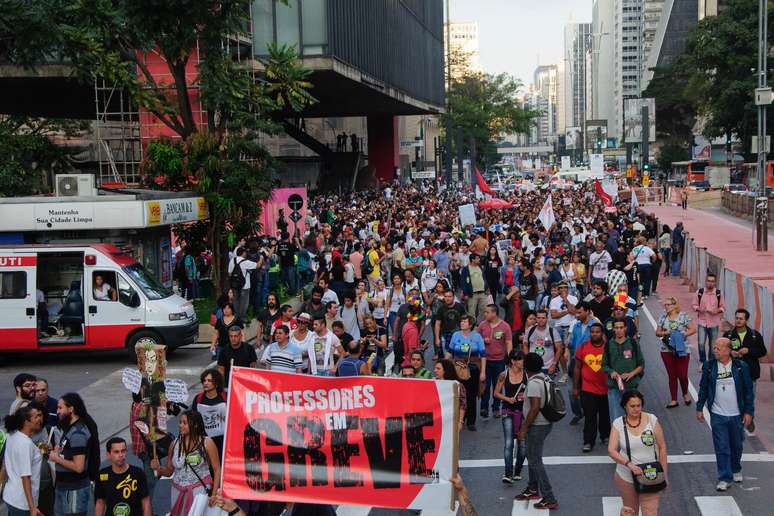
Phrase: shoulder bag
x=652 y=479
x=461 y=366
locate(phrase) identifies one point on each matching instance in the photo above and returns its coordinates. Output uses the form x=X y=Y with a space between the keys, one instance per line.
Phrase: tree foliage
x=715 y=79
x=222 y=161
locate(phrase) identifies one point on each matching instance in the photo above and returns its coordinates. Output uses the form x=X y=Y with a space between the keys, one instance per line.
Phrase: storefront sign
x=382 y=442
x=64 y=216
x=174 y=211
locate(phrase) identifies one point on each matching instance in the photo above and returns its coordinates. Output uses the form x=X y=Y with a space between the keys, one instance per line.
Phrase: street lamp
x=763 y=98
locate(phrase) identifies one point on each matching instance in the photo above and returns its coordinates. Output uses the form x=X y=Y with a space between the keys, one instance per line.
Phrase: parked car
x=700 y=186
x=735 y=187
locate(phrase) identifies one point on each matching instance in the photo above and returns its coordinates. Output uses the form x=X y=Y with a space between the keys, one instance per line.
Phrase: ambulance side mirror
x=134 y=301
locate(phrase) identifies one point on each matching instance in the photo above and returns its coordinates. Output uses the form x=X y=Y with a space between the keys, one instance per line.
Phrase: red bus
x=750 y=174
x=690 y=170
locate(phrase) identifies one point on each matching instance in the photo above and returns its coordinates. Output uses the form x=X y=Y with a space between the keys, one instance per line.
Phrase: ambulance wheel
x=141 y=337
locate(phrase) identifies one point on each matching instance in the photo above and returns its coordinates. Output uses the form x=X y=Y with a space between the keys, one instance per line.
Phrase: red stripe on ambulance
x=18 y=261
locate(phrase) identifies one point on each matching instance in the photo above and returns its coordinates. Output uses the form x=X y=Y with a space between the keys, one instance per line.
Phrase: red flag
x=482 y=184
x=602 y=194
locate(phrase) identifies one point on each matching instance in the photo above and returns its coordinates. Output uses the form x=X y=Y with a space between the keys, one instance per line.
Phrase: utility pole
x=763 y=98
x=644 y=157
x=448 y=101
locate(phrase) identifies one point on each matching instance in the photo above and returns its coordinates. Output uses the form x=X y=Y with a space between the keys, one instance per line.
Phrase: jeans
x=614 y=408
x=597 y=418
x=14 y=511
x=538 y=478
x=645 y=271
x=575 y=404
x=493 y=370
x=676 y=265
x=72 y=501
x=471 y=394
x=666 y=252
x=446 y=338
x=288 y=276
x=727 y=437
x=705 y=333
x=512 y=469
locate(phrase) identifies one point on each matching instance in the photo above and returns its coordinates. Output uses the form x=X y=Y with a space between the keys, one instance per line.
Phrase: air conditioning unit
x=75 y=185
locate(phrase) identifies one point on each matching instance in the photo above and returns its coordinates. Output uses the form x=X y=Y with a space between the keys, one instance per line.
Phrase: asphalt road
x=582 y=482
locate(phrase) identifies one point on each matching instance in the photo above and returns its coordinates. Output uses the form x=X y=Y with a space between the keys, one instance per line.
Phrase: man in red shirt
x=497 y=343
x=590 y=384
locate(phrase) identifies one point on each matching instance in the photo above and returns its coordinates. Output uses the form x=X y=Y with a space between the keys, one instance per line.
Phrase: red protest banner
x=384 y=442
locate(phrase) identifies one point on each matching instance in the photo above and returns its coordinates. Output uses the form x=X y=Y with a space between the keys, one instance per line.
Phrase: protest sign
x=132 y=379
x=176 y=390
x=467 y=215
x=374 y=441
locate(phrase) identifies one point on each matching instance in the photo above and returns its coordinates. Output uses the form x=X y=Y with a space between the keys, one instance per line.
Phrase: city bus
x=750 y=175
x=689 y=170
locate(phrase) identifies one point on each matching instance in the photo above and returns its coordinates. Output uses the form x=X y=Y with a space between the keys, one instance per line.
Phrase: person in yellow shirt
x=374 y=259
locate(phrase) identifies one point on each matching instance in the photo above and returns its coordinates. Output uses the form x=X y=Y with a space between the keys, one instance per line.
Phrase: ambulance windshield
x=149 y=285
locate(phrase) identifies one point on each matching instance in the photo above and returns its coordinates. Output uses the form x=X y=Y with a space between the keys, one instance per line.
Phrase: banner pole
x=455 y=444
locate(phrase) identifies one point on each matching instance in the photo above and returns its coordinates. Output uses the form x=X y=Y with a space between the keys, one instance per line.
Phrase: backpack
x=550 y=332
x=349 y=367
x=92 y=450
x=366 y=267
x=236 y=278
x=555 y=407
x=700 y=293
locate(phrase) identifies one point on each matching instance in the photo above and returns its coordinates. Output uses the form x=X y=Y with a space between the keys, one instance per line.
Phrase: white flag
x=546 y=216
x=635 y=203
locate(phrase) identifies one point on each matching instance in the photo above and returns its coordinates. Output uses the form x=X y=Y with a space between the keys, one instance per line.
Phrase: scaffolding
x=117 y=136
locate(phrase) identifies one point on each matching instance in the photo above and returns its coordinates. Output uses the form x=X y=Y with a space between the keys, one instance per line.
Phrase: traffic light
x=646 y=168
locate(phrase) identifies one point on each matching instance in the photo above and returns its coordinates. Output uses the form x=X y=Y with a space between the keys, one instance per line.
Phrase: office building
x=546 y=84
x=464 y=45
x=678 y=18
x=577 y=44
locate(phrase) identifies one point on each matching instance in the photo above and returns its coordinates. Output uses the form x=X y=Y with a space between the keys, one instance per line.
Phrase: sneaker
x=587 y=448
x=527 y=494
x=722 y=486
x=516 y=477
x=543 y=504
x=575 y=420
x=738 y=477
x=507 y=479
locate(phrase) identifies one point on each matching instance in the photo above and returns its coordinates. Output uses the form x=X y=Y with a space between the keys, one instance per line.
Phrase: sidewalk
x=733 y=242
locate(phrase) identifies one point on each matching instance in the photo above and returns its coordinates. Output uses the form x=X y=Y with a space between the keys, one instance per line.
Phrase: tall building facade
x=464 y=48
x=546 y=83
x=603 y=54
x=577 y=44
x=678 y=18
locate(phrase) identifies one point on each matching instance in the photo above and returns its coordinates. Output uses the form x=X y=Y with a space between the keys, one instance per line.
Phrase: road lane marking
x=691 y=388
x=526 y=508
x=612 y=505
x=604 y=459
x=717 y=506
x=353 y=510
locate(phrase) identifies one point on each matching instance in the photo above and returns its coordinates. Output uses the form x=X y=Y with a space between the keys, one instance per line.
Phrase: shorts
x=72 y=501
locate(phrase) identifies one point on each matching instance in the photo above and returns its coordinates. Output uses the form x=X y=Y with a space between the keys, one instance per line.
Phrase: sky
x=515 y=34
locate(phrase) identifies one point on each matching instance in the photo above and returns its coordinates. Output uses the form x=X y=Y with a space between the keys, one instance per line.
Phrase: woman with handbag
x=638 y=447
x=674 y=328
x=469 y=355
x=193 y=463
x=511 y=389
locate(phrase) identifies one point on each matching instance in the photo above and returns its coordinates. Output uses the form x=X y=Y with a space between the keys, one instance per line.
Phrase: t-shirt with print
x=536 y=388
x=496 y=339
x=74 y=441
x=213 y=411
x=370 y=338
x=328 y=341
x=599 y=263
x=122 y=492
x=463 y=345
x=543 y=342
x=593 y=377
x=450 y=317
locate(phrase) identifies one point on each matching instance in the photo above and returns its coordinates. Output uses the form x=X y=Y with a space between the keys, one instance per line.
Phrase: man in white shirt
x=23 y=460
x=599 y=262
x=644 y=256
x=241 y=295
x=321 y=353
x=562 y=310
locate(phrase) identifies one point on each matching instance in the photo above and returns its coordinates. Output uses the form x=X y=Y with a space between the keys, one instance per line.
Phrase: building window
x=13 y=285
x=299 y=23
x=287 y=26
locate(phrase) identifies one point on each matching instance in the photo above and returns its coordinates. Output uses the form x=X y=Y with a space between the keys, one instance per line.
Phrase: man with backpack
x=535 y=428
x=709 y=305
x=239 y=280
x=352 y=364
x=76 y=456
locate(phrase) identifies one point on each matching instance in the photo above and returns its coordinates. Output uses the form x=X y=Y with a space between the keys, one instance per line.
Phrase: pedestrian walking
x=22 y=460
x=211 y=404
x=726 y=389
x=497 y=342
x=623 y=363
x=121 y=489
x=468 y=351
x=535 y=429
x=665 y=246
x=511 y=389
x=192 y=462
x=709 y=305
x=474 y=286
x=239 y=280
x=590 y=386
x=674 y=328
x=638 y=447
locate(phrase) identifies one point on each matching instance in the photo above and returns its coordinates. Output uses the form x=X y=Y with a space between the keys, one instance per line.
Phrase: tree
x=486 y=107
x=222 y=161
x=29 y=156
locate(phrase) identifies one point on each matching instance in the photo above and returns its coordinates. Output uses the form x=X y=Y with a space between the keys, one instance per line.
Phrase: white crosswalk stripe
x=717 y=506
x=526 y=508
x=611 y=506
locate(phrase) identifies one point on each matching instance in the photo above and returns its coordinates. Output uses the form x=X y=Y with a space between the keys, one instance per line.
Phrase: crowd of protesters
x=393 y=284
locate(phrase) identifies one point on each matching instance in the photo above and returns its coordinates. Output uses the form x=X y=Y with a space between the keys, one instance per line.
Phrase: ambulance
x=86 y=297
